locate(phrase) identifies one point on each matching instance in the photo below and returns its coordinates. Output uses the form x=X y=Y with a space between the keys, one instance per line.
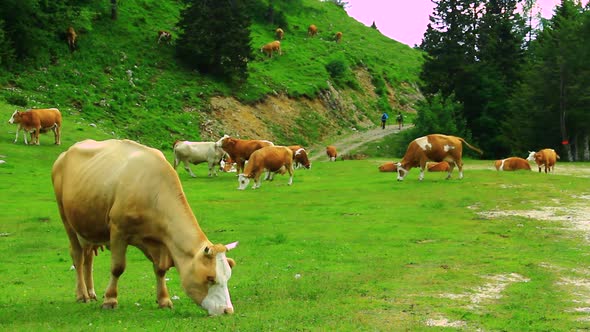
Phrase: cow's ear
x=231 y=262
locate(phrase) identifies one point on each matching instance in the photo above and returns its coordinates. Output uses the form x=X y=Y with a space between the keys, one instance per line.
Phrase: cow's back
x=97 y=182
x=47 y=117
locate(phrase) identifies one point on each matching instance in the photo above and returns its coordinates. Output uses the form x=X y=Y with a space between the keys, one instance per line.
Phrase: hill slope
x=132 y=87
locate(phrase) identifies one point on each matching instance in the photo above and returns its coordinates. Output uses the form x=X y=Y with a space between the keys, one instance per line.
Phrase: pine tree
x=215 y=38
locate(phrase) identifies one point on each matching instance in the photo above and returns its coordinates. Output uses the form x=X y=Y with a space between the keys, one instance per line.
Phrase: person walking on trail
x=384 y=118
x=400 y=120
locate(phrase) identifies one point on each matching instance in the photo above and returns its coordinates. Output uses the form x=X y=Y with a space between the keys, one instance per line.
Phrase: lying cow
x=279 y=33
x=71 y=38
x=434 y=147
x=36 y=121
x=331 y=152
x=164 y=36
x=512 y=164
x=227 y=164
x=545 y=157
x=196 y=153
x=270 y=48
x=312 y=30
x=239 y=150
x=275 y=159
x=443 y=166
x=119 y=193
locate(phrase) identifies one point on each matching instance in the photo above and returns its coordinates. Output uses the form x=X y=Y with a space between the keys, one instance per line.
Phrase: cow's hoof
x=109 y=304
x=165 y=303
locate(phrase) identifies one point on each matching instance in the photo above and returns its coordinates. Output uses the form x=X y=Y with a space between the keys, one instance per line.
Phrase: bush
x=17 y=100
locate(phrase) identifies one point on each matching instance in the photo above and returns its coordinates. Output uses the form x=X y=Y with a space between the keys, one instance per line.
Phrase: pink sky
x=406 y=20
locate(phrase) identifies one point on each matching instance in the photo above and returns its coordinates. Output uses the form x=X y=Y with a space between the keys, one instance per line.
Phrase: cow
x=434 y=147
x=275 y=159
x=512 y=164
x=545 y=157
x=270 y=48
x=312 y=30
x=196 y=153
x=71 y=38
x=300 y=157
x=331 y=152
x=239 y=150
x=37 y=121
x=338 y=37
x=443 y=166
x=119 y=193
x=279 y=33
x=164 y=36
x=227 y=164
x=389 y=166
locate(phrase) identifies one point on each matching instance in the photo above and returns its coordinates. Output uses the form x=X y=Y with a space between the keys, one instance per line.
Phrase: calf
x=239 y=150
x=279 y=33
x=512 y=164
x=331 y=152
x=276 y=159
x=36 y=121
x=312 y=30
x=164 y=36
x=545 y=157
x=270 y=48
x=196 y=153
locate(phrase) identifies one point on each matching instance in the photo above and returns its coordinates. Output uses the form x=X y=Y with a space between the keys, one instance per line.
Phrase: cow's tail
x=471 y=146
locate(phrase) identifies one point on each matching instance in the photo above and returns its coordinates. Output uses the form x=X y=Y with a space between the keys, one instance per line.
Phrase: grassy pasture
x=371 y=253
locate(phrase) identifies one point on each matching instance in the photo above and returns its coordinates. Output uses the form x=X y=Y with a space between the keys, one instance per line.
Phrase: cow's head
x=243 y=181
x=15 y=117
x=206 y=282
x=221 y=141
x=300 y=156
x=531 y=156
x=401 y=171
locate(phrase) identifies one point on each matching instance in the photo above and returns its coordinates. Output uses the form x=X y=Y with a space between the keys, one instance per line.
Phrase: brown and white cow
x=275 y=159
x=389 y=166
x=270 y=48
x=545 y=157
x=164 y=36
x=71 y=38
x=195 y=153
x=239 y=150
x=300 y=157
x=434 y=147
x=279 y=33
x=36 y=121
x=331 y=152
x=443 y=166
x=312 y=30
x=119 y=193
x=227 y=164
x=512 y=164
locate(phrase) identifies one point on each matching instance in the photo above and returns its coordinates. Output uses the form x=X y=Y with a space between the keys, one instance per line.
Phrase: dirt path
x=347 y=143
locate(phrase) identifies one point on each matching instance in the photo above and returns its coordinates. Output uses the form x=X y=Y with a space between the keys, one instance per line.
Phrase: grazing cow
x=338 y=36
x=545 y=157
x=119 y=193
x=164 y=36
x=512 y=164
x=71 y=38
x=239 y=150
x=443 y=166
x=196 y=153
x=275 y=159
x=270 y=48
x=312 y=30
x=331 y=152
x=300 y=157
x=279 y=33
x=37 y=121
x=388 y=167
x=434 y=147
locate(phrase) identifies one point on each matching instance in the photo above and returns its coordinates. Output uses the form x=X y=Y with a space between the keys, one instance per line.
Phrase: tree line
x=494 y=77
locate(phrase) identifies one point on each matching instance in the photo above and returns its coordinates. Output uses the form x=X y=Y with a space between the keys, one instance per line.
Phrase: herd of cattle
x=117 y=193
x=275 y=45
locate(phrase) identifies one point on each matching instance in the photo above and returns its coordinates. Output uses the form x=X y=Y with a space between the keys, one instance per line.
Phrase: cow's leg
x=269 y=175
x=58 y=135
x=164 y=300
x=188 y=169
x=16 y=137
x=88 y=265
x=212 y=168
x=291 y=171
x=118 y=262
x=37 y=134
x=422 y=168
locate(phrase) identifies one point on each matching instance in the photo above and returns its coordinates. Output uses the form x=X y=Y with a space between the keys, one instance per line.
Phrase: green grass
x=373 y=253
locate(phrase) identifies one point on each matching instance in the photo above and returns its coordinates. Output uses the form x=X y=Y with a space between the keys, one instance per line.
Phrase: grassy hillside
x=127 y=84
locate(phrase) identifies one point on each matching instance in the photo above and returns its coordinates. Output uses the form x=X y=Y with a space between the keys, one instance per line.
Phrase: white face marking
x=11 y=121
x=423 y=143
x=401 y=172
x=243 y=182
x=218 y=300
x=531 y=156
x=448 y=148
